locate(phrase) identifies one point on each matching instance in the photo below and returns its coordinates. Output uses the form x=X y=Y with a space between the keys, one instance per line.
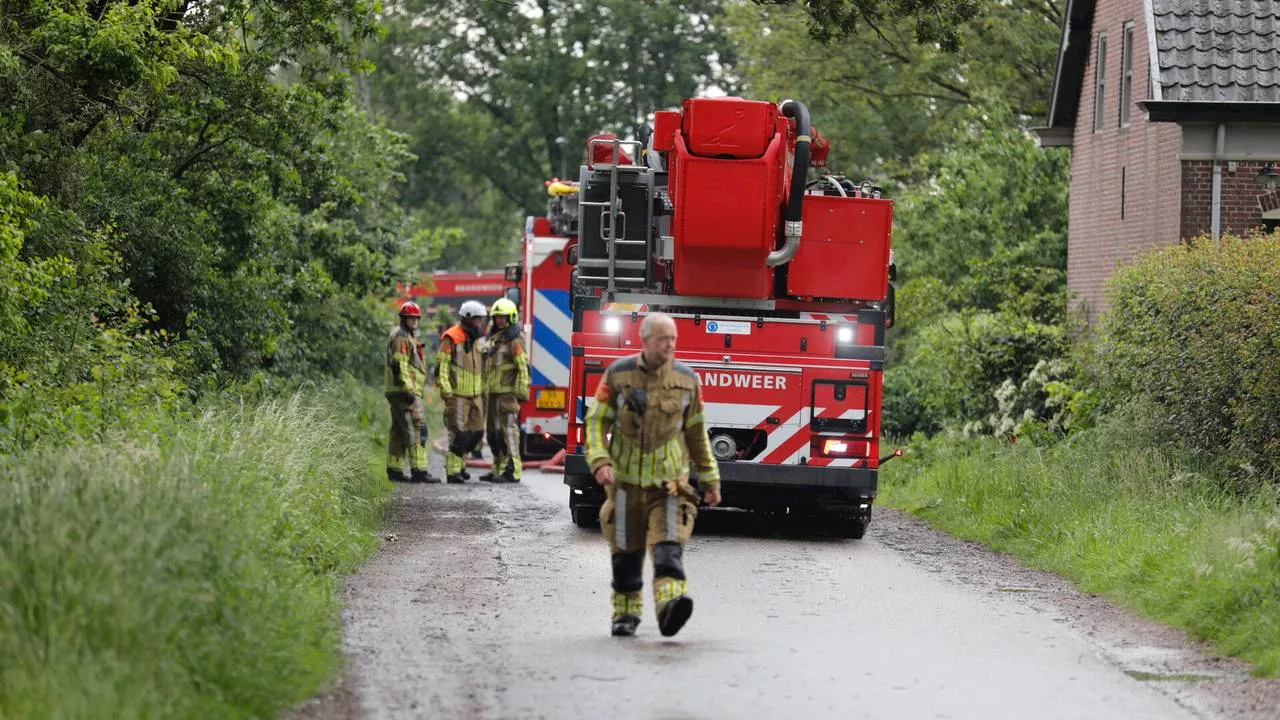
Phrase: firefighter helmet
x=471 y=309
x=504 y=307
x=410 y=309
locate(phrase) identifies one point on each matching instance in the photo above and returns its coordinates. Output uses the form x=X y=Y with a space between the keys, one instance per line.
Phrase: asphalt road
x=488 y=603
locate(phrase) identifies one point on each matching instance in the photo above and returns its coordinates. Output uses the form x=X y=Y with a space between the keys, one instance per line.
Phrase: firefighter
x=642 y=432
x=461 y=383
x=506 y=385
x=444 y=320
x=405 y=383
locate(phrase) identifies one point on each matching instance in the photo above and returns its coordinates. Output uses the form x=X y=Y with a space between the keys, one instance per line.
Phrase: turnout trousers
x=658 y=519
x=407 y=435
x=464 y=418
x=503 y=426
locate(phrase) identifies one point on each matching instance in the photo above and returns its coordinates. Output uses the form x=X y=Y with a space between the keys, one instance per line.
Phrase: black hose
x=800 y=165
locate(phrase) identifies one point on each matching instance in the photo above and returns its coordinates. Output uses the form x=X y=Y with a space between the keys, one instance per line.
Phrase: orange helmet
x=410 y=309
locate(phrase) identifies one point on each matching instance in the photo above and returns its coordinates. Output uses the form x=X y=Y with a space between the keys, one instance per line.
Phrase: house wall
x=1246 y=149
x=1241 y=192
x=1143 y=158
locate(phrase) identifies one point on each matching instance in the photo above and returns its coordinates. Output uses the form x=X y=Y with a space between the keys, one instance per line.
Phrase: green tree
x=991 y=223
x=981 y=251
x=882 y=97
x=931 y=21
x=218 y=149
x=503 y=82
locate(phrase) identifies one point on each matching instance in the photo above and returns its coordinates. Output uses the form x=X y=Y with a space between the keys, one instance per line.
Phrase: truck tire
x=852 y=527
x=583 y=518
x=585 y=515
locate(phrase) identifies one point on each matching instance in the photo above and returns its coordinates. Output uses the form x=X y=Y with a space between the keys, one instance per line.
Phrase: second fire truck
x=543 y=276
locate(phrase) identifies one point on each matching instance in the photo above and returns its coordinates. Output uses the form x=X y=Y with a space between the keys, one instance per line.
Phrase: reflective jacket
x=406 y=367
x=461 y=367
x=506 y=365
x=648 y=424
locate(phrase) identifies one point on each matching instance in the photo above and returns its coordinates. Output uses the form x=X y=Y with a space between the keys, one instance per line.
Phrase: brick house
x=1172 y=111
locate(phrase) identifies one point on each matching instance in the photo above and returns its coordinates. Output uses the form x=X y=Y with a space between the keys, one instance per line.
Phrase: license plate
x=550 y=400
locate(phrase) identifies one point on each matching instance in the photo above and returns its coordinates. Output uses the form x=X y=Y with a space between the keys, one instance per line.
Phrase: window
x=1123 y=178
x=1100 y=83
x=1126 y=74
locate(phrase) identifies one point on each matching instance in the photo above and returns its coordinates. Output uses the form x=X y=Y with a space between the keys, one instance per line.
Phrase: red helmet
x=410 y=309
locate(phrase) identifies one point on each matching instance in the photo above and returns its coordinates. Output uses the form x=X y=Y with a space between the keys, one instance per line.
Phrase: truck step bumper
x=766 y=487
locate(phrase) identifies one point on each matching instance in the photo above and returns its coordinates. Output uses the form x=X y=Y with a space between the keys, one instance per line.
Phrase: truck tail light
x=839 y=448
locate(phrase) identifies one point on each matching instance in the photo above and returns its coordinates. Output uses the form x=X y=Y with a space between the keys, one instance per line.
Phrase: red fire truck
x=451 y=289
x=543 y=276
x=780 y=289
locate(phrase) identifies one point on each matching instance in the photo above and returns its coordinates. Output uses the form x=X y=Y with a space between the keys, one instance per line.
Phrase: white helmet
x=472 y=308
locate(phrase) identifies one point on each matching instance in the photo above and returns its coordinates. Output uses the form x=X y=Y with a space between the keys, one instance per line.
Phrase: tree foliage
x=881 y=96
x=216 y=150
x=935 y=22
x=502 y=82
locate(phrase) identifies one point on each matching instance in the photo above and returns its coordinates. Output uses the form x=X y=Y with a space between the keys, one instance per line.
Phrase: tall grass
x=189 y=573
x=1119 y=515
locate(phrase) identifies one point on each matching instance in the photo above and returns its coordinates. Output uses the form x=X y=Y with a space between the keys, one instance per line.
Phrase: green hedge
x=186 y=573
x=1196 y=328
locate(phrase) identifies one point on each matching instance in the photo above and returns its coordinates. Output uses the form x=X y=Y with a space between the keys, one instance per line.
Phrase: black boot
x=624 y=626
x=673 y=615
x=507 y=476
x=457 y=479
x=465 y=475
x=488 y=477
x=424 y=476
x=396 y=475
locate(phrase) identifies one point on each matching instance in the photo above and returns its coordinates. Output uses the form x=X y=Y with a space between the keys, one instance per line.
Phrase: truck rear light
x=844 y=335
x=612 y=325
x=835 y=447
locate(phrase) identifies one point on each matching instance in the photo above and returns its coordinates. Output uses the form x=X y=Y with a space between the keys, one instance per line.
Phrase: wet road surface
x=487 y=602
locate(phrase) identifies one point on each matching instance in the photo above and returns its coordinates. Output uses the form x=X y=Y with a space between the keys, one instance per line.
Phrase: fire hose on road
x=553 y=464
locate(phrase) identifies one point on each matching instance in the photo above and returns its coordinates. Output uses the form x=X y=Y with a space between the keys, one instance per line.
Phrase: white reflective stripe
x=803 y=451
x=620 y=517
x=736 y=414
x=542 y=246
x=784 y=432
x=544 y=362
x=671 y=518
x=550 y=315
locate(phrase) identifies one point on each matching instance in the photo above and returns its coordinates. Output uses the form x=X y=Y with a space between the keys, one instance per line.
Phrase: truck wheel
x=584 y=518
x=584 y=515
x=853 y=527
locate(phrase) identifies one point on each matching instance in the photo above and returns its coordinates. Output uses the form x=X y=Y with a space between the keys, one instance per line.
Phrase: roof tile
x=1218 y=50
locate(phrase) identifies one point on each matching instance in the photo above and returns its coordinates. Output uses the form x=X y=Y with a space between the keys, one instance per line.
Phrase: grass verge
x=1120 y=517
x=188 y=573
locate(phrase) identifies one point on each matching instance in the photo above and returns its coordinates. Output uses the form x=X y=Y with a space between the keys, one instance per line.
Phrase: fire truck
x=779 y=284
x=451 y=289
x=543 y=276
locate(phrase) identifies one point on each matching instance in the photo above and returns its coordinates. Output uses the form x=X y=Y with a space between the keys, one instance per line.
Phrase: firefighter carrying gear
x=461 y=383
x=405 y=380
x=506 y=383
x=647 y=423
